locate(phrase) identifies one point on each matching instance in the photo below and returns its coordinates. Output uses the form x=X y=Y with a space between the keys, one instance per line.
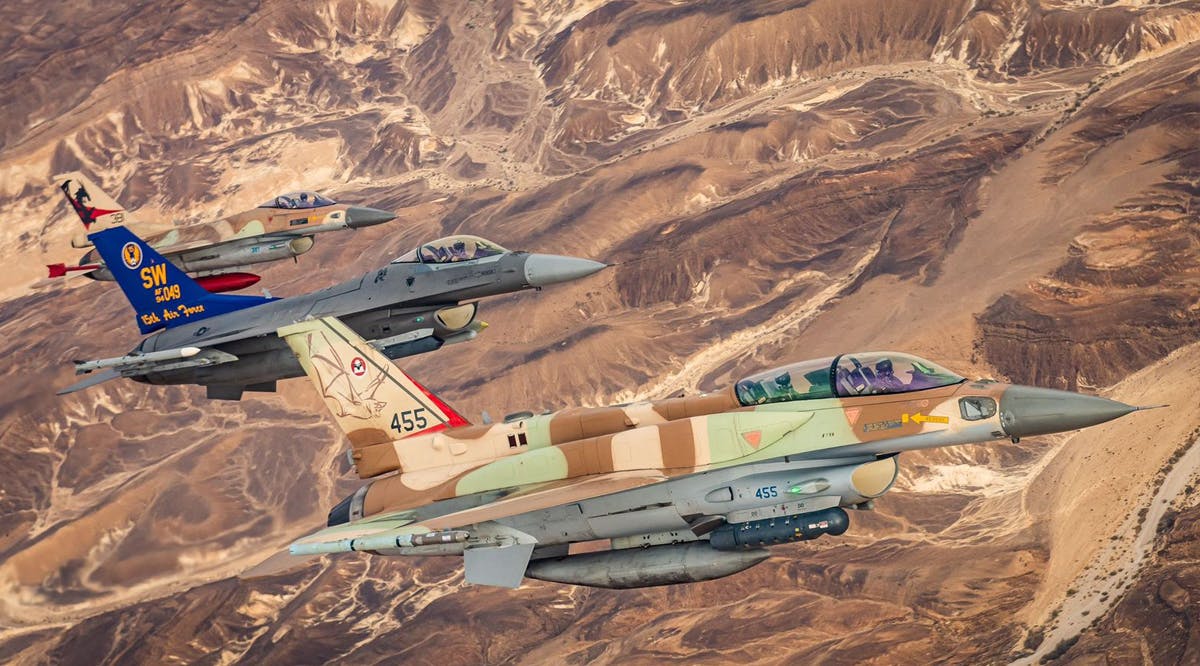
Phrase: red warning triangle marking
x=753 y=438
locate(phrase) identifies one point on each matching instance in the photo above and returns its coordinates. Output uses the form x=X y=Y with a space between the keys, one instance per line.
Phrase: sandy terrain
x=1009 y=188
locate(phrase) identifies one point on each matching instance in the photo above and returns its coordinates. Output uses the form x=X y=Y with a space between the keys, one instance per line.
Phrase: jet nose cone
x=546 y=269
x=357 y=217
x=1027 y=411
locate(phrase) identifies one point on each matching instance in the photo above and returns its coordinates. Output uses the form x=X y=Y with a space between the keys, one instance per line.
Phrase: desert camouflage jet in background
x=651 y=493
x=227 y=342
x=281 y=228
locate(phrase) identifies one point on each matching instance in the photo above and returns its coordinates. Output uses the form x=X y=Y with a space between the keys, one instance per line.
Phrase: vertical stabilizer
x=372 y=400
x=162 y=295
x=93 y=206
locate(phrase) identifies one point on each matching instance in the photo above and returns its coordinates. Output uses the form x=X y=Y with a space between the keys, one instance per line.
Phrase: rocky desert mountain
x=1007 y=186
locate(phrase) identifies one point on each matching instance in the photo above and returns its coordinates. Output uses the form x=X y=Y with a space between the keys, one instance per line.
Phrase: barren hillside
x=1009 y=187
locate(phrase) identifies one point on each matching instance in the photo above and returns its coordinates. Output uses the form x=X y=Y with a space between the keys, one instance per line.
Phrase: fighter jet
x=226 y=342
x=282 y=228
x=651 y=493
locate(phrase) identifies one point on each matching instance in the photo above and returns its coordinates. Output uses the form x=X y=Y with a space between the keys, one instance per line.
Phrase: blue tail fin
x=162 y=295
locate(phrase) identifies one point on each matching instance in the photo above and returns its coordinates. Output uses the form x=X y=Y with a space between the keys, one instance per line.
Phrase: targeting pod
x=759 y=533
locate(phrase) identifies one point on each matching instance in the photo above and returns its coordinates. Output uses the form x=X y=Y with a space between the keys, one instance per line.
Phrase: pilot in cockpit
x=459 y=251
x=304 y=200
x=886 y=379
x=784 y=388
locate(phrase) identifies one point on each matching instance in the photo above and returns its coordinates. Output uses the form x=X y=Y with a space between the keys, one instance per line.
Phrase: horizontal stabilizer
x=278 y=563
x=88 y=382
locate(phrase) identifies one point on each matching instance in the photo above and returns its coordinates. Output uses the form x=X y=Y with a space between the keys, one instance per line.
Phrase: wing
x=382 y=531
x=493 y=554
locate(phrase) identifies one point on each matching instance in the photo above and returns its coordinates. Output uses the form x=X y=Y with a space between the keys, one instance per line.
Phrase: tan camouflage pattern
x=645 y=440
x=288 y=225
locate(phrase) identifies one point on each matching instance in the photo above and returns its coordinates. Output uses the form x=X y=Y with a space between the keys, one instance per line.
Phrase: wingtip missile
x=84 y=367
x=61 y=270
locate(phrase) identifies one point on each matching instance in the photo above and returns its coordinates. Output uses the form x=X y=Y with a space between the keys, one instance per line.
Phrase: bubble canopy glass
x=298 y=200
x=848 y=375
x=450 y=249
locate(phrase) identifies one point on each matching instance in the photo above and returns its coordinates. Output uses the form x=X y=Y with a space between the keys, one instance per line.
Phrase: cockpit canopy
x=298 y=200
x=845 y=376
x=451 y=249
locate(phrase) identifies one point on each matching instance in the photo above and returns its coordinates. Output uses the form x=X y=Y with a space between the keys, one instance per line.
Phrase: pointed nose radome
x=358 y=217
x=547 y=269
x=1026 y=411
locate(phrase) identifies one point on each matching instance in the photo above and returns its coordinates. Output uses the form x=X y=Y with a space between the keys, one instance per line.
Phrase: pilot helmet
x=884 y=367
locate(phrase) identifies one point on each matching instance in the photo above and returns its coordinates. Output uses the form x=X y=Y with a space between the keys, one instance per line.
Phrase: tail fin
x=162 y=295
x=372 y=400
x=91 y=204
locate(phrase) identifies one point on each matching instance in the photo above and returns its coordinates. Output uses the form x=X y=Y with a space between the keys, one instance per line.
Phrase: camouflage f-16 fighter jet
x=227 y=343
x=282 y=228
x=651 y=493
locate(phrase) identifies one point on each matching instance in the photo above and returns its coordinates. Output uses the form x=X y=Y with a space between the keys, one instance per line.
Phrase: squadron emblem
x=358 y=366
x=131 y=255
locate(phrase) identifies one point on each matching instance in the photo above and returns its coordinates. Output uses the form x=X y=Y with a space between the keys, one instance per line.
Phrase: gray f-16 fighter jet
x=227 y=343
x=650 y=493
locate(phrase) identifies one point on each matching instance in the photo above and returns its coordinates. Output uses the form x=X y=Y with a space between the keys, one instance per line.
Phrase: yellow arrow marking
x=922 y=418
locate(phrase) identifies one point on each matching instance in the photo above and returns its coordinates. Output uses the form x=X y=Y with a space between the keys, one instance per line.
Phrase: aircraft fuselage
x=686 y=484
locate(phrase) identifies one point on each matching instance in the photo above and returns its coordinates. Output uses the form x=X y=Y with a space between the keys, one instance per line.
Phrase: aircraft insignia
x=131 y=255
x=80 y=200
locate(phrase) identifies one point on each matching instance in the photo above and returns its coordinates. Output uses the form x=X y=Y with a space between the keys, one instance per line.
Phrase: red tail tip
x=57 y=270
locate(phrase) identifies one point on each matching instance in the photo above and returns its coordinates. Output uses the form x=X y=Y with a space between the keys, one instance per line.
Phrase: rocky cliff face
x=1157 y=619
x=1009 y=187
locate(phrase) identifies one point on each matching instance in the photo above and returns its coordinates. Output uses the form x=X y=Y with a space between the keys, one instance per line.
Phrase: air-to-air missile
x=213 y=252
x=227 y=343
x=650 y=493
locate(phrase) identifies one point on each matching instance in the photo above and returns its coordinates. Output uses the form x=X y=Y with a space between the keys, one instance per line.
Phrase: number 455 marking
x=767 y=492
x=410 y=420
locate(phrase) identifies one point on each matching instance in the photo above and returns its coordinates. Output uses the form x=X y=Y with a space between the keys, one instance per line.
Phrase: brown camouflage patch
x=603 y=421
x=678 y=444
x=468 y=432
x=876 y=420
x=375 y=460
x=673 y=409
x=565 y=426
x=588 y=456
x=364 y=437
x=390 y=494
